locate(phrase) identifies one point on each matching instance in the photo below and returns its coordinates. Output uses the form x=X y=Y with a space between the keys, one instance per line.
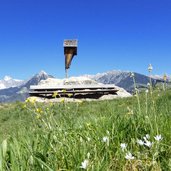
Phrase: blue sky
x=112 y=34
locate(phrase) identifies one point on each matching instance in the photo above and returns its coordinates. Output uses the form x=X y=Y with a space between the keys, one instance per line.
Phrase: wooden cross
x=70 y=50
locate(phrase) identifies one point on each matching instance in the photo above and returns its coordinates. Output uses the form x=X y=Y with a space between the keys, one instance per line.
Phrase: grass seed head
x=150 y=68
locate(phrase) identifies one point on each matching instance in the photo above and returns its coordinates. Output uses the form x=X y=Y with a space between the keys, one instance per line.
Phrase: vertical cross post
x=70 y=50
x=66 y=73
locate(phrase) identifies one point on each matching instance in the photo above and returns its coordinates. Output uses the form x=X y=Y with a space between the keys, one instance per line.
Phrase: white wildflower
x=81 y=139
x=146 y=91
x=148 y=84
x=88 y=155
x=147 y=136
x=106 y=140
x=140 y=142
x=84 y=164
x=137 y=90
x=148 y=143
x=150 y=68
x=129 y=156
x=123 y=146
x=132 y=74
x=158 y=137
x=88 y=139
x=107 y=132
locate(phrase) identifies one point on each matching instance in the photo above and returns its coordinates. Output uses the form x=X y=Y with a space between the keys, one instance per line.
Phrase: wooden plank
x=74 y=87
x=77 y=91
x=74 y=92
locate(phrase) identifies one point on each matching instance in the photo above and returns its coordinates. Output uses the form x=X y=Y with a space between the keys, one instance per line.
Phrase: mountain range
x=18 y=90
x=123 y=79
x=8 y=82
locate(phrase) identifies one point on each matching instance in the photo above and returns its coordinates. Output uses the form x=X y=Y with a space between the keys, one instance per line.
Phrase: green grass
x=61 y=136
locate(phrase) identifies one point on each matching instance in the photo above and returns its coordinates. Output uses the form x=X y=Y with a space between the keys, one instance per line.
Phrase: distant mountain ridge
x=124 y=80
x=21 y=92
x=18 y=90
x=8 y=82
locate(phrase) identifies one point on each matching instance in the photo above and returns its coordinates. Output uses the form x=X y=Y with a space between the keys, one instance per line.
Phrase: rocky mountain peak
x=42 y=73
x=7 y=78
x=8 y=82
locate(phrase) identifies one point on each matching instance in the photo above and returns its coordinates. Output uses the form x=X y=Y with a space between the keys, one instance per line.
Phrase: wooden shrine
x=72 y=91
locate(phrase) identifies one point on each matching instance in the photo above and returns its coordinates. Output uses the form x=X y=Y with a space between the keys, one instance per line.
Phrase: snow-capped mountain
x=21 y=92
x=123 y=79
x=8 y=82
x=161 y=77
x=13 y=90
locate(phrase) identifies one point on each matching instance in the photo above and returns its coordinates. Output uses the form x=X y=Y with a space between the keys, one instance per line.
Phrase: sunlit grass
x=125 y=134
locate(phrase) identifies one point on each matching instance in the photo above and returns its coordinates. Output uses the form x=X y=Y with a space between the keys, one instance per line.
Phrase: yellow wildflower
x=64 y=91
x=55 y=94
x=24 y=106
x=31 y=100
x=80 y=101
x=88 y=124
x=70 y=94
x=62 y=100
x=27 y=100
x=50 y=104
x=38 y=116
x=39 y=110
x=130 y=111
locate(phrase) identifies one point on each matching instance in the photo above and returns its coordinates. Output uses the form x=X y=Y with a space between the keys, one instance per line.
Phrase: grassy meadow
x=131 y=134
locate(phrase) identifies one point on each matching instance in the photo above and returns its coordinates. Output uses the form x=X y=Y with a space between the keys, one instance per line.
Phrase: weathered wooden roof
x=65 y=87
x=63 y=90
x=70 y=43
